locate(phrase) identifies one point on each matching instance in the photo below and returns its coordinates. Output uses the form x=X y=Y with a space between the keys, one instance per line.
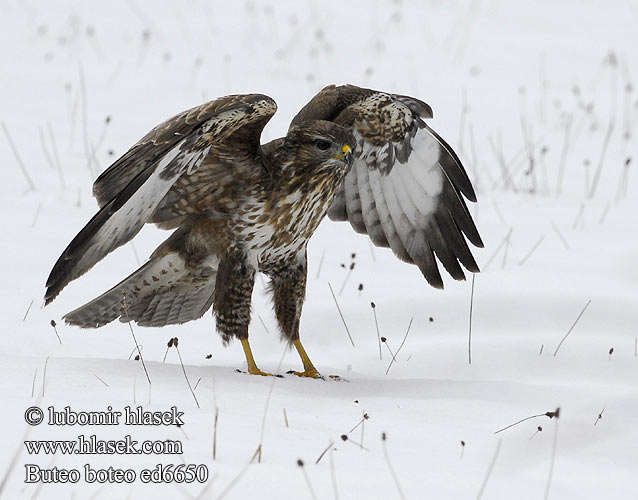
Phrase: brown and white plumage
x=406 y=186
x=238 y=207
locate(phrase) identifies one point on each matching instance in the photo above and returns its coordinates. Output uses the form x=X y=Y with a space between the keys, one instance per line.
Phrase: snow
x=490 y=70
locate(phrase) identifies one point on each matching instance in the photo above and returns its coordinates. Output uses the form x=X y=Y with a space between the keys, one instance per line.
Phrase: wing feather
x=411 y=184
x=368 y=208
x=229 y=126
x=353 y=203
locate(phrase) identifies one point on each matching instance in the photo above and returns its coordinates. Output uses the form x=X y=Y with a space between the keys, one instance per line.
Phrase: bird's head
x=320 y=147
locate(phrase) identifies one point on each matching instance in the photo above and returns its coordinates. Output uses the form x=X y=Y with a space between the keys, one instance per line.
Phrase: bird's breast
x=279 y=227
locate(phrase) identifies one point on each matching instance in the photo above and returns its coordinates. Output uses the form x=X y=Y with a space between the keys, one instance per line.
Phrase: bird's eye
x=323 y=145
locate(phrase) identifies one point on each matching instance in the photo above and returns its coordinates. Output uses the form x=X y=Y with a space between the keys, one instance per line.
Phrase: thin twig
x=44 y=375
x=333 y=476
x=263 y=419
x=529 y=254
x=197 y=383
x=601 y=160
x=215 y=433
x=263 y=324
x=376 y=324
x=28 y=309
x=403 y=342
x=551 y=465
x=341 y=314
x=563 y=156
x=469 y=332
x=560 y=235
x=493 y=256
x=550 y=414
x=85 y=129
x=56 y=157
x=392 y=472
x=363 y=419
x=571 y=328
x=234 y=481
x=579 y=217
x=17 y=157
x=35 y=374
x=323 y=255
x=599 y=417
x=100 y=380
x=128 y=321
x=186 y=376
x=489 y=470
x=55 y=329
x=345 y=281
x=323 y=453
x=300 y=463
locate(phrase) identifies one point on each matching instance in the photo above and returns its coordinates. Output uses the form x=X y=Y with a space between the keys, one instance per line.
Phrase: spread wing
x=406 y=187
x=176 y=170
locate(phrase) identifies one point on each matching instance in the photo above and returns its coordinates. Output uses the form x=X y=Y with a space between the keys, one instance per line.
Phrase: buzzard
x=238 y=207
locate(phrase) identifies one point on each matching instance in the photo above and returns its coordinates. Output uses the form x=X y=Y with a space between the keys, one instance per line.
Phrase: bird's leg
x=289 y=290
x=250 y=361
x=231 y=304
x=309 y=369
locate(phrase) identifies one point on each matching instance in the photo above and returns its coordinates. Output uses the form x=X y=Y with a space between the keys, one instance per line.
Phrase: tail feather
x=163 y=291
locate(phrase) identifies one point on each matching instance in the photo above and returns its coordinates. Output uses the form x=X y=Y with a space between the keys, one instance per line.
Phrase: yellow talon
x=257 y=371
x=312 y=373
x=309 y=369
x=252 y=366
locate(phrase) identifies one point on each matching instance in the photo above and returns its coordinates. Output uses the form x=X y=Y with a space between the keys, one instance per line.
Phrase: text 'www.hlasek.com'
x=91 y=445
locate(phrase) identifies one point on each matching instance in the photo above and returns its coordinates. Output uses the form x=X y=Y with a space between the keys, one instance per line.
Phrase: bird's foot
x=257 y=371
x=313 y=373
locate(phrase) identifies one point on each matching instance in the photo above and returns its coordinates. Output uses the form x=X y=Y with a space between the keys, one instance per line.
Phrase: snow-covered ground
x=512 y=84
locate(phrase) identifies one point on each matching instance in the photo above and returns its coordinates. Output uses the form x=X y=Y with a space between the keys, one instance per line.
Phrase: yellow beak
x=345 y=150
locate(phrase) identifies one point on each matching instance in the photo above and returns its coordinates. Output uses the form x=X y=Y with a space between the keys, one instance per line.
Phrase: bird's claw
x=257 y=371
x=313 y=373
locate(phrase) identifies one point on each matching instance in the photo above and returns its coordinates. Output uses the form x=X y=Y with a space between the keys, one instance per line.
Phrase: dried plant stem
x=563 y=156
x=23 y=169
x=550 y=414
x=263 y=420
x=376 y=324
x=529 y=254
x=215 y=433
x=551 y=465
x=324 y=452
x=263 y=324
x=403 y=342
x=560 y=235
x=323 y=255
x=571 y=327
x=493 y=256
x=601 y=160
x=489 y=470
x=44 y=375
x=469 y=330
x=341 y=314
x=28 y=309
x=186 y=376
x=333 y=476
x=392 y=471
x=35 y=374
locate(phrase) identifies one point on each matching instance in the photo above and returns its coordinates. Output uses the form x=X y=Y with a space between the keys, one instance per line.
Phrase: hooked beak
x=345 y=155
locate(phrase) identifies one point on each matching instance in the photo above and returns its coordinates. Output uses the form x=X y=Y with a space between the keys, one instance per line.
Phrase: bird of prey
x=238 y=207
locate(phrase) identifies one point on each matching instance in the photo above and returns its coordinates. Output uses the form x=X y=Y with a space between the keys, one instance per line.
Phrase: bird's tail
x=163 y=291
